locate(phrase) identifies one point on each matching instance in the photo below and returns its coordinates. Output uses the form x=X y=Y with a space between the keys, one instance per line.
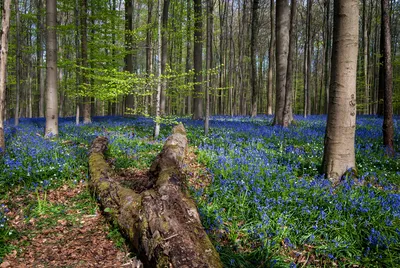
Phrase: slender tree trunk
x=149 y=48
x=209 y=56
x=197 y=60
x=327 y=53
x=77 y=69
x=51 y=74
x=253 y=51
x=5 y=24
x=339 y=154
x=164 y=55
x=271 y=59
x=388 y=129
x=282 y=50
x=188 y=52
x=18 y=63
x=159 y=51
x=365 y=62
x=39 y=54
x=288 y=111
x=86 y=101
x=129 y=100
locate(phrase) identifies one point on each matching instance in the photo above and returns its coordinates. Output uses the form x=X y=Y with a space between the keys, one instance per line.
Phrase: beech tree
x=198 y=61
x=388 y=129
x=282 y=51
x=5 y=23
x=253 y=48
x=339 y=152
x=51 y=70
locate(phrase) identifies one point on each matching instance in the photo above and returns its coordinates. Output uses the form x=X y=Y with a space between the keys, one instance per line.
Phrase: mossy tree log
x=161 y=223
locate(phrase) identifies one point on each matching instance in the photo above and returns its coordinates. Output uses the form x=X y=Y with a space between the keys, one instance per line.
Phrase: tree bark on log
x=161 y=222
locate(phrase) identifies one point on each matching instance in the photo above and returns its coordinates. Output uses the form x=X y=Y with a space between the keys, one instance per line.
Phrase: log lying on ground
x=161 y=222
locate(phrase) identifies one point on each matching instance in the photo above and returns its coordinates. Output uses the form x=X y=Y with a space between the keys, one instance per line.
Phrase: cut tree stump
x=159 y=220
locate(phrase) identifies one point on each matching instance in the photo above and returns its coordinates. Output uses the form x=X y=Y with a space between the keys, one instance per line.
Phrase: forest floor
x=259 y=190
x=65 y=229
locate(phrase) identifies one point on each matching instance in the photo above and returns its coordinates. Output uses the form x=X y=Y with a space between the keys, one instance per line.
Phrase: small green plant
x=42 y=204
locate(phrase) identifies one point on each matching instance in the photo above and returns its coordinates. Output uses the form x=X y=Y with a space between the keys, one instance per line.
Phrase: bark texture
x=198 y=61
x=271 y=59
x=388 y=129
x=160 y=220
x=339 y=155
x=282 y=51
x=51 y=74
x=5 y=23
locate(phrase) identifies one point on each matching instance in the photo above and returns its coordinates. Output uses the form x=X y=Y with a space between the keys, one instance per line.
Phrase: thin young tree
x=159 y=51
x=388 y=129
x=198 y=61
x=282 y=51
x=51 y=69
x=5 y=23
x=339 y=153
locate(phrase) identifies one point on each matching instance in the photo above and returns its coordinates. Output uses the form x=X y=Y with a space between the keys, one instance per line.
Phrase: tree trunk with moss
x=158 y=217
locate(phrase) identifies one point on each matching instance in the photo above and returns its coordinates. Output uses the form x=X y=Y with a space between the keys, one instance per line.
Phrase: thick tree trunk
x=5 y=23
x=198 y=61
x=287 y=112
x=51 y=74
x=388 y=129
x=158 y=217
x=339 y=155
x=282 y=50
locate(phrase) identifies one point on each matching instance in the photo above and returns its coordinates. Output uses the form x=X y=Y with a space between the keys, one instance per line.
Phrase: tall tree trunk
x=210 y=29
x=388 y=129
x=282 y=50
x=198 y=60
x=253 y=51
x=164 y=54
x=40 y=70
x=18 y=63
x=339 y=155
x=309 y=55
x=365 y=61
x=149 y=50
x=188 y=52
x=5 y=23
x=159 y=51
x=327 y=53
x=270 y=59
x=86 y=101
x=129 y=100
x=51 y=74
x=288 y=113
x=77 y=69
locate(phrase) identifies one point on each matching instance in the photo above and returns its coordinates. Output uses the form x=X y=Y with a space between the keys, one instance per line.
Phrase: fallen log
x=159 y=220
